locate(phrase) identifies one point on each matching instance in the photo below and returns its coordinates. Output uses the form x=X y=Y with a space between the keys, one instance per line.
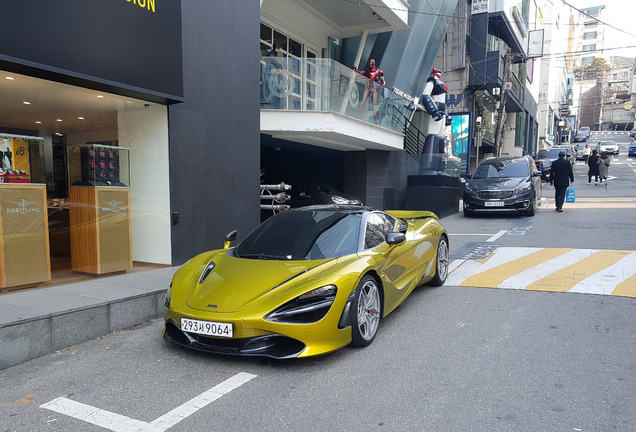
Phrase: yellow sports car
x=305 y=282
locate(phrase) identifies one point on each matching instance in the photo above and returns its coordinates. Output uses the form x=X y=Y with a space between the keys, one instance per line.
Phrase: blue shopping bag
x=570 y=195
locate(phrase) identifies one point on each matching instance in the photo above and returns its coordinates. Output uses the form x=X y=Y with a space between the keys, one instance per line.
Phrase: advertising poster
x=461 y=138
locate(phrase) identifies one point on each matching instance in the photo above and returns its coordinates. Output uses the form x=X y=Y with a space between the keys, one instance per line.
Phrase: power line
x=598 y=20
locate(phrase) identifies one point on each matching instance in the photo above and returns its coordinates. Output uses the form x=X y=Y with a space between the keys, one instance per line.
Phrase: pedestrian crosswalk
x=591 y=271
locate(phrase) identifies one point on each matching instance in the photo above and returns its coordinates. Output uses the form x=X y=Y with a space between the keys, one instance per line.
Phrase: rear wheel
x=368 y=310
x=441 y=263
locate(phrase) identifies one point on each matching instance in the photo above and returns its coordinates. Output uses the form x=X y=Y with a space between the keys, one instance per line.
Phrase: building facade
x=123 y=148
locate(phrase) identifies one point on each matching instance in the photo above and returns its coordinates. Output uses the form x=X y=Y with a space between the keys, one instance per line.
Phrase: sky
x=620 y=14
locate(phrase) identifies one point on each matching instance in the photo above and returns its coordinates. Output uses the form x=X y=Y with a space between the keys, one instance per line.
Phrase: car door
x=399 y=266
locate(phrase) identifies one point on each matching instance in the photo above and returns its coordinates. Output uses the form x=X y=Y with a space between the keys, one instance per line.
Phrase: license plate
x=208 y=328
x=494 y=204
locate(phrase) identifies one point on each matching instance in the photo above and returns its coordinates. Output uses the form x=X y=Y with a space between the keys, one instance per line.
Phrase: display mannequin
x=434 y=124
x=375 y=76
x=434 y=100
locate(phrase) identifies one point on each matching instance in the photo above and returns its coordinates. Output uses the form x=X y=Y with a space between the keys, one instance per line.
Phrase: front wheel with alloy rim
x=368 y=309
x=441 y=263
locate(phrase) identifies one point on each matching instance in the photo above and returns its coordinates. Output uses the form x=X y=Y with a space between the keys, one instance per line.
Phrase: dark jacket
x=561 y=173
x=593 y=163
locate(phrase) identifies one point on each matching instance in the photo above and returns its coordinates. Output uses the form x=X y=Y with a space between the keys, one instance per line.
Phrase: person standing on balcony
x=376 y=79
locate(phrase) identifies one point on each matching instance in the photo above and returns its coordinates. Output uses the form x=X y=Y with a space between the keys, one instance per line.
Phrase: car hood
x=497 y=183
x=237 y=283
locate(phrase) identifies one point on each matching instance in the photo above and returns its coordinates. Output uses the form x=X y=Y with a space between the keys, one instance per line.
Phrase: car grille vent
x=494 y=194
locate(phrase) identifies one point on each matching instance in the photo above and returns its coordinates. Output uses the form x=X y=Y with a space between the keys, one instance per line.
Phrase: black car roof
x=505 y=158
x=334 y=207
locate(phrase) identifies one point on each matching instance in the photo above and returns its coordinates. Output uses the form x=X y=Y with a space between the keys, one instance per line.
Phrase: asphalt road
x=453 y=358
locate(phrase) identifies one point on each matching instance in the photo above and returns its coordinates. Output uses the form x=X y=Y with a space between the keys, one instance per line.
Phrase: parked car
x=632 y=149
x=570 y=153
x=305 y=282
x=586 y=130
x=511 y=184
x=580 y=153
x=319 y=193
x=610 y=147
x=543 y=163
x=580 y=137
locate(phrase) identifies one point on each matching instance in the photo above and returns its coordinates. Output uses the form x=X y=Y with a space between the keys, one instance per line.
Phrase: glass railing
x=313 y=84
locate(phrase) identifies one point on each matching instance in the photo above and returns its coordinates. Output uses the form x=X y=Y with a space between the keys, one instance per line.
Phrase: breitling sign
x=24 y=254
x=114 y=207
x=23 y=206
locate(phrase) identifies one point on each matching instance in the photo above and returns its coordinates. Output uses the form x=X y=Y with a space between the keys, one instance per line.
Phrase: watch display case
x=99 y=208
x=95 y=164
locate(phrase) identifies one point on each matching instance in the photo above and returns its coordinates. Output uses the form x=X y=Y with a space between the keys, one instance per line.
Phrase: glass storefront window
x=48 y=132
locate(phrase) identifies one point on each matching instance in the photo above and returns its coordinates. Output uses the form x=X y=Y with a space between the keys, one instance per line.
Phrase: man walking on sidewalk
x=561 y=175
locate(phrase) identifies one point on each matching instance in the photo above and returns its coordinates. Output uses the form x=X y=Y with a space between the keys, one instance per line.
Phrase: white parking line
x=496 y=236
x=119 y=423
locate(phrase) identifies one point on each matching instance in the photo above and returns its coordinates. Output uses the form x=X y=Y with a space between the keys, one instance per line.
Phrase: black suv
x=509 y=184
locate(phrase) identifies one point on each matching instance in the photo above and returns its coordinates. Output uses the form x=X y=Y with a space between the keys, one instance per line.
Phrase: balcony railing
x=313 y=84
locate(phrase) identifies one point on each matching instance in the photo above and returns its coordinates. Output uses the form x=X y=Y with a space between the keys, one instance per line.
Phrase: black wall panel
x=377 y=177
x=116 y=43
x=215 y=132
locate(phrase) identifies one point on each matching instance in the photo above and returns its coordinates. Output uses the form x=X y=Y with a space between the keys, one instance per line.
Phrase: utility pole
x=502 y=104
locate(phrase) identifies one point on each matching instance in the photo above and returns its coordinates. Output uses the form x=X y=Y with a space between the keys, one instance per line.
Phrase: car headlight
x=470 y=190
x=522 y=190
x=339 y=200
x=307 y=308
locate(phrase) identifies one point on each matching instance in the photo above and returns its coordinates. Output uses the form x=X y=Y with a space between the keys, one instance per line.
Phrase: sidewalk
x=40 y=321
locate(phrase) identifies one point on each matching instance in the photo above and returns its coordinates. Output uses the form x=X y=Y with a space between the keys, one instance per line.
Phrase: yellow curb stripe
x=563 y=280
x=484 y=260
x=627 y=288
x=493 y=277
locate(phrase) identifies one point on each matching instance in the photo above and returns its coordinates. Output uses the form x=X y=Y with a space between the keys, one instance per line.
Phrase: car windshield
x=301 y=235
x=548 y=154
x=498 y=168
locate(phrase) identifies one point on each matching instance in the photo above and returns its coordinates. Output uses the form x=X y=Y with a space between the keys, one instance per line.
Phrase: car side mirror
x=395 y=238
x=229 y=238
x=537 y=173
